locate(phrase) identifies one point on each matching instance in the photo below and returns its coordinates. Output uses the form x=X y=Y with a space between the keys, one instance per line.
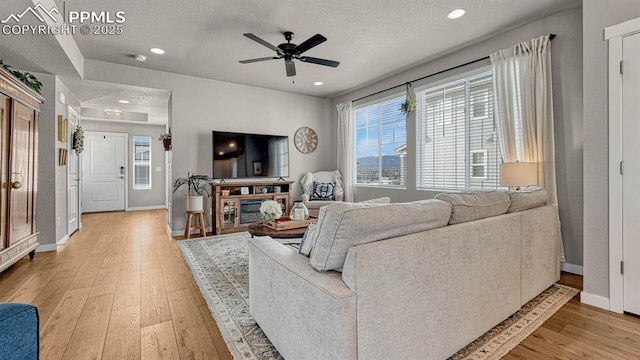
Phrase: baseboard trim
x=141 y=208
x=63 y=240
x=47 y=247
x=572 y=268
x=594 y=300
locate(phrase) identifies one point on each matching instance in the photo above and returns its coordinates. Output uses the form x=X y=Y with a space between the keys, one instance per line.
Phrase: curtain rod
x=551 y=37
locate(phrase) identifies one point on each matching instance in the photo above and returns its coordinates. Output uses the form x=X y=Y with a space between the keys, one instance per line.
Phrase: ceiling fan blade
x=291 y=68
x=249 y=61
x=324 y=62
x=311 y=42
x=263 y=42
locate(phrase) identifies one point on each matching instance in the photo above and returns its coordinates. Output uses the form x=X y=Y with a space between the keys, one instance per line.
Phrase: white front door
x=631 y=177
x=104 y=172
x=73 y=180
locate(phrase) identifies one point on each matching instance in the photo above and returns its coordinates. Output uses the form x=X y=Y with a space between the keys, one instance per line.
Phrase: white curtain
x=524 y=108
x=346 y=149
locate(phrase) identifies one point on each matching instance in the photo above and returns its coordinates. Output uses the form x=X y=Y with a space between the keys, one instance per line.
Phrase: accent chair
x=321 y=177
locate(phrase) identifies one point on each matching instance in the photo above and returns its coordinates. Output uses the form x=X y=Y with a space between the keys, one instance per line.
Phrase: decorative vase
x=167 y=144
x=194 y=203
x=299 y=211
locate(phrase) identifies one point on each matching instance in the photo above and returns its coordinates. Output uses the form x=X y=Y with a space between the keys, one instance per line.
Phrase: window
x=141 y=162
x=479 y=164
x=381 y=136
x=457 y=144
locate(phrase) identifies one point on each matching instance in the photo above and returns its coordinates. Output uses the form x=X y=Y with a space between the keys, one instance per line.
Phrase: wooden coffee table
x=258 y=229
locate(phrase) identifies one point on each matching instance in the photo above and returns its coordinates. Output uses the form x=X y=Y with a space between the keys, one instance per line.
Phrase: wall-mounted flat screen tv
x=239 y=155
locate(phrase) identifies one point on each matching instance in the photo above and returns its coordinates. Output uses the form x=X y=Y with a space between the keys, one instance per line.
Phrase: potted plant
x=197 y=187
x=166 y=141
x=408 y=106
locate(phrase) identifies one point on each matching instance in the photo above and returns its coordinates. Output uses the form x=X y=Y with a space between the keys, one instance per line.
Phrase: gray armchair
x=321 y=177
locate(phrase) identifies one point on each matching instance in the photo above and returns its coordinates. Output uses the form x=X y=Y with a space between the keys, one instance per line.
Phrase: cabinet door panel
x=5 y=114
x=21 y=183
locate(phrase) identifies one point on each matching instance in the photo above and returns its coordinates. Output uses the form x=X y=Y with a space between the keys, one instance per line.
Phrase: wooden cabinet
x=236 y=205
x=19 y=111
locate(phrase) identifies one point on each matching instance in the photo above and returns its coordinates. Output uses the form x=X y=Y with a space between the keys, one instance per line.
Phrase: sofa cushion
x=527 y=198
x=343 y=225
x=469 y=206
x=323 y=191
x=310 y=236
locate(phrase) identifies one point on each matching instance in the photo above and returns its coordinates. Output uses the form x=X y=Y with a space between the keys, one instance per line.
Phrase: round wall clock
x=306 y=140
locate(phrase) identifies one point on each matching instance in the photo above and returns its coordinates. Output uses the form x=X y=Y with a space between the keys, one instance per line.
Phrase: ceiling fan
x=289 y=52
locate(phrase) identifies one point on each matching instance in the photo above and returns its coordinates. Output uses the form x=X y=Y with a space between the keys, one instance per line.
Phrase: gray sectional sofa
x=405 y=281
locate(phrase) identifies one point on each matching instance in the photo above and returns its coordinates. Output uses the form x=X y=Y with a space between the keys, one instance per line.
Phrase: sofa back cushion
x=469 y=206
x=343 y=225
x=311 y=235
x=527 y=198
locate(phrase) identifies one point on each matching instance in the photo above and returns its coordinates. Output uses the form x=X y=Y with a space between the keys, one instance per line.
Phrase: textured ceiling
x=99 y=95
x=371 y=38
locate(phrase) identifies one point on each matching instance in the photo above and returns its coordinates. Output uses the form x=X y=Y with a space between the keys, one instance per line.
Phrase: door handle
x=16 y=185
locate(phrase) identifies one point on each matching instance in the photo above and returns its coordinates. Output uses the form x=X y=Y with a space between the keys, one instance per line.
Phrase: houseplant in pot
x=197 y=187
x=166 y=141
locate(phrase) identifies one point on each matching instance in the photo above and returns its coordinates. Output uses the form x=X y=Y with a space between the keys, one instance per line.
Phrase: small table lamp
x=517 y=174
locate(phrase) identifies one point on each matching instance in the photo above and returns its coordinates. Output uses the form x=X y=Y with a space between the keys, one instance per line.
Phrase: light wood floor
x=120 y=289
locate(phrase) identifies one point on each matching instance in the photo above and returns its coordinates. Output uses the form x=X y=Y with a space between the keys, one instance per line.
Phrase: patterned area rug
x=220 y=266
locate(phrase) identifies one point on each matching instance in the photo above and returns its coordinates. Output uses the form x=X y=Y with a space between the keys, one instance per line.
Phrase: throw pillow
x=306 y=250
x=323 y=191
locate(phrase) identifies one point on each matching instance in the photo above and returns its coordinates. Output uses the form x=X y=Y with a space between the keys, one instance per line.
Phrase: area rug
x=219 y=265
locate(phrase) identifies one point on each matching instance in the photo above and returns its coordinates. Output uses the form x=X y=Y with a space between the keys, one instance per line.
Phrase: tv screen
x=238 y=155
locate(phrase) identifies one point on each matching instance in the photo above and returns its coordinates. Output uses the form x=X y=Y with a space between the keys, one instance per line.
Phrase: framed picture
x=277 y=189
x=244 y=190
x=257 y=168
x=62 y=157
x=63 y=128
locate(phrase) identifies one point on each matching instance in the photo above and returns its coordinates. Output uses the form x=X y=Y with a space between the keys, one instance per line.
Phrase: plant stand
x=200 y=226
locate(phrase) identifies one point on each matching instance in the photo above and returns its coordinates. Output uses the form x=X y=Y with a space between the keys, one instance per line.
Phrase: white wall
x=598 y=14
x=52 y=179
x=47 y=163
x=155 y=196
x=199 y=106
x=61 y=171
x=567 y=87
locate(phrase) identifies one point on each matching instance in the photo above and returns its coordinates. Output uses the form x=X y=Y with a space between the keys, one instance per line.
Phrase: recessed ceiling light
x=123 y=101
x=157 y=51
x=457 y=13
x=318 y=83
x=141 y=58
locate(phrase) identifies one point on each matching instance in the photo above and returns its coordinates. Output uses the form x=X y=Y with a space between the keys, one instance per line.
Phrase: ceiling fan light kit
x=290 y=52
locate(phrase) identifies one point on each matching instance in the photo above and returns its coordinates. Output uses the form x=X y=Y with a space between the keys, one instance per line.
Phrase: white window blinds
x=381 y=137
x=456 y=141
